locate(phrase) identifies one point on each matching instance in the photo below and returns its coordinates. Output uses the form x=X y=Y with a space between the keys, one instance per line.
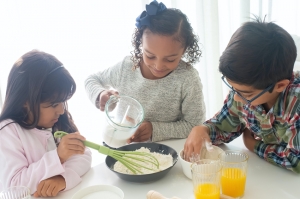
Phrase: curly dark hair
x=169 y=22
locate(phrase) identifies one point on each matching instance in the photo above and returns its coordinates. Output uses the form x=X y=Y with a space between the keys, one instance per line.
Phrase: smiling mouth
x=159 y=71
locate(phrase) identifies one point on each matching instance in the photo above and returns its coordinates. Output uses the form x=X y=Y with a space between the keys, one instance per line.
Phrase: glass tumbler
x=206 y=176
x=234 y=173
x=17 y=192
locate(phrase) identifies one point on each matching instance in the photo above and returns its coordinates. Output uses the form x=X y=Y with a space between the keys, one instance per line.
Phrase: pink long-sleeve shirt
x=29 y=156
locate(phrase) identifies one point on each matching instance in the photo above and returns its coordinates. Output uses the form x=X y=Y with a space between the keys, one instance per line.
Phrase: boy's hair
x=169 y=22
x=259 y=54
x=35 y=78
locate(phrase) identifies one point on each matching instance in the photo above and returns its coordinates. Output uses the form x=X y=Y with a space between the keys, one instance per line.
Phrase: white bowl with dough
x=186 y=166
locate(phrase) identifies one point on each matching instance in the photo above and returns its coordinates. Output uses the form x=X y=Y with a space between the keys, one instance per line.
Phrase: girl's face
x=161 y=55
x=49 y=114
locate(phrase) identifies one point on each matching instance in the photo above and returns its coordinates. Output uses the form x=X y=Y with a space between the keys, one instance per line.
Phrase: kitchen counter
x=264 y=180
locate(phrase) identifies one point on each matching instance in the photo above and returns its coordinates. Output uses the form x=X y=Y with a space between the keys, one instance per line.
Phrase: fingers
x=70 y=145
x=39 y=188
x=104 y=97
x=143 y=133
x=50 y=187
x=195 y=141
x=73 y=141
x=75 y=135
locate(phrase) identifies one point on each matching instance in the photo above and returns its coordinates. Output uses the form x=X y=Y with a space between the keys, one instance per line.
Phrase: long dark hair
x=35 y=78
x=169 y=22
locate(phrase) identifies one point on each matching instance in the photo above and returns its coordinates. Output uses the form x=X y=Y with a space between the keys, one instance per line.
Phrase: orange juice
x=207 y=191
x=233 y=182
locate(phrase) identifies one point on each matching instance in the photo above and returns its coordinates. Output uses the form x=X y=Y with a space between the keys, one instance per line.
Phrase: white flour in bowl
x=165 y=161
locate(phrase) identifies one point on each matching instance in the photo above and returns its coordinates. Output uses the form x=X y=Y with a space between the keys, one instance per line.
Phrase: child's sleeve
x=75 y=167
x=102 y=80
x=19 y=169
x=287 y=153
x=15 y=168
x=192 y=108
x=225 y=126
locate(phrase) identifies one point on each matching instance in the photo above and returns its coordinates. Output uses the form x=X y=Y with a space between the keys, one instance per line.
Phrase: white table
x=264 y=180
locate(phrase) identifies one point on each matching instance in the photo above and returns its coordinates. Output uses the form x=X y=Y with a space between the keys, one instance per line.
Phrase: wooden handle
x=155 y=195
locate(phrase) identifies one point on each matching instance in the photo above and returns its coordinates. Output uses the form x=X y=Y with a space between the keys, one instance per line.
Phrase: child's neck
x=268 y=105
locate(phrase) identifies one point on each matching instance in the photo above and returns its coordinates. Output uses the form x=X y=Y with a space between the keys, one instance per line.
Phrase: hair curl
x=170 y=22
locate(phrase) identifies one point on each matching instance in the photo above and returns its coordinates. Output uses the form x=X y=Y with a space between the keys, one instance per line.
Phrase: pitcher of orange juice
x=206 y=179
x=234 y=173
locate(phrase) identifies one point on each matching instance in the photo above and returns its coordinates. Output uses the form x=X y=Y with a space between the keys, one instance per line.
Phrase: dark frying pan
x=153 y=147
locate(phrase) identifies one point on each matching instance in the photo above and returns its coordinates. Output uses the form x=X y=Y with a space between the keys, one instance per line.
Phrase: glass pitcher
x=124 y=115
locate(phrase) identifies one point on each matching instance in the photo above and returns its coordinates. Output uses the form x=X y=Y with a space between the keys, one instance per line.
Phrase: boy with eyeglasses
x=263 y=103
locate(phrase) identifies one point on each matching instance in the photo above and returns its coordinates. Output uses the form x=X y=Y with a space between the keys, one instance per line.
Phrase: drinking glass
x=17 y=192
x=206 y=176
x=234 y=173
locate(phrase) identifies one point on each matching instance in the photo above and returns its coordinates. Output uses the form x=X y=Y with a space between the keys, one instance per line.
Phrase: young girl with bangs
x=35 y=107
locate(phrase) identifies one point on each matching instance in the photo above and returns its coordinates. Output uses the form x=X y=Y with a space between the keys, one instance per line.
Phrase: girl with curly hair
x=159 y=74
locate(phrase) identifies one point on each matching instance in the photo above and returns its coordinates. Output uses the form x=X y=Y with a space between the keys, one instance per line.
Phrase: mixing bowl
x=153 y=147
x=186 y=166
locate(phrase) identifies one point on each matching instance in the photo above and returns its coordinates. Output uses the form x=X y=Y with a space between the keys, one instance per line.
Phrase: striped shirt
x=279 y=128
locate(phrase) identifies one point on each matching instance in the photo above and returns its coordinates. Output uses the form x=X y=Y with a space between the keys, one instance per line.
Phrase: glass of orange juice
x=234 y=173
x=206 y=176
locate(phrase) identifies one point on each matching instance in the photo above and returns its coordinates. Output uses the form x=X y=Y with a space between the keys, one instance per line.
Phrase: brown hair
x=35 y=78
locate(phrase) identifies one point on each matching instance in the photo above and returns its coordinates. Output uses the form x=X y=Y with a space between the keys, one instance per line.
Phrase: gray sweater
x=173 y=104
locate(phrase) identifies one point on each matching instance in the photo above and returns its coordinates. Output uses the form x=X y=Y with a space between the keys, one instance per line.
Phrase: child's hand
x=50 y=187
x=70 y=145
x=196 y=138
x=142 y=134
x=104 y=97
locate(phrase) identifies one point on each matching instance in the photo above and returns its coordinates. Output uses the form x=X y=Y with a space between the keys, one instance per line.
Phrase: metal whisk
x=128 y=158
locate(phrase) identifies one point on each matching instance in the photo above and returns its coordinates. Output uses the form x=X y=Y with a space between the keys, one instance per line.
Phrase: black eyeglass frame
x=240 y=95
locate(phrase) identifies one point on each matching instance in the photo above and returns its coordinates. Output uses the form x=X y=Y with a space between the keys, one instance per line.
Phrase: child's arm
x=102 y=80
x=15 y=167
x=21 y=167
x=50 y=187
x=227 y=120
x=75 y=167
x=225 y=126
x=287 y=153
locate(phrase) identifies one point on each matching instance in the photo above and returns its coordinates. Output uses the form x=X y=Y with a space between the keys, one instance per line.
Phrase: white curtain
x=90 y=35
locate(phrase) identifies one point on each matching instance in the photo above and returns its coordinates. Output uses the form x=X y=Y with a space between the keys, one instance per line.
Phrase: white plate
x=99 y=191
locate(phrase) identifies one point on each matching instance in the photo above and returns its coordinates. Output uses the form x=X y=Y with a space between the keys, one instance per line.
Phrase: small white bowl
x=186 y=166
x=99 y=191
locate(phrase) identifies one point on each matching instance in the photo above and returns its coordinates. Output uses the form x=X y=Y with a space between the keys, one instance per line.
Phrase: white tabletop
x=263 y=180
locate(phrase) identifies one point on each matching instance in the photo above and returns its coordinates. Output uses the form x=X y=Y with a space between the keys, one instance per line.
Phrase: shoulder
x=9 y=124
x=9 y=128
x=186 y=71
x=127 y=62
x=294 y=87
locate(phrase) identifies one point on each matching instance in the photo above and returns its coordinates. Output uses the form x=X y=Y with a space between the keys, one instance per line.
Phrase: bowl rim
x=175 y=159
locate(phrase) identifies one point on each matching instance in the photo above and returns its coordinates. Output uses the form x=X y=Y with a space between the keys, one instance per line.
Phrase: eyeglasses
x=240 y=95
